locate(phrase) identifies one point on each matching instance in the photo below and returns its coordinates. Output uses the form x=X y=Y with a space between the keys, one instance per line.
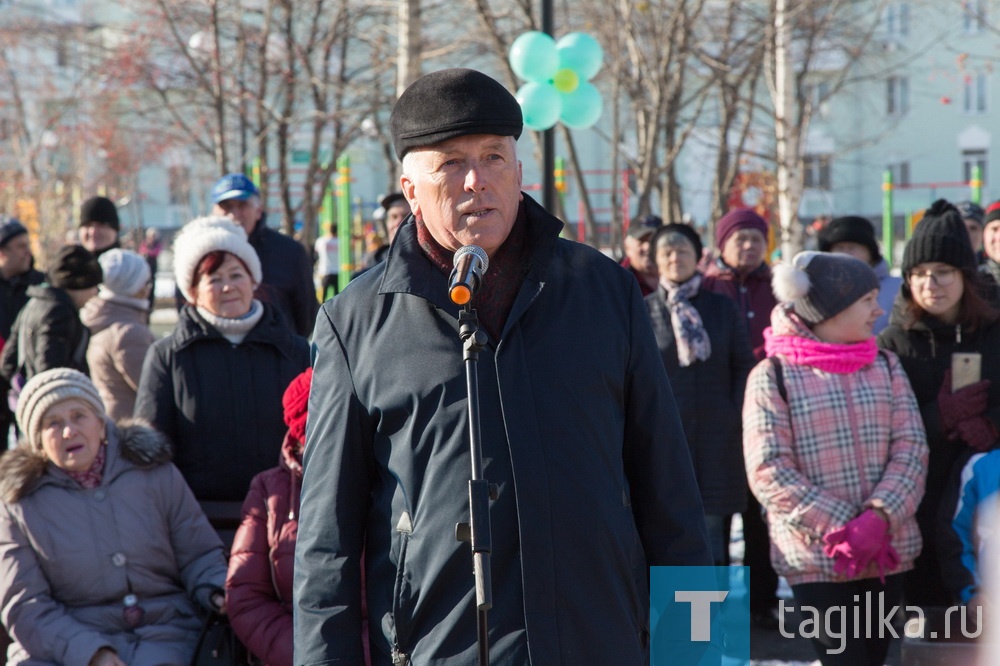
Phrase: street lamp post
x=549 y=135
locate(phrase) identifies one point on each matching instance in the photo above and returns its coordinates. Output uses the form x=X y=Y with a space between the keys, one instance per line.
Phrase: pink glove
x=978 y=432
x=964 y=403
x=887 y=559
x=855 y=545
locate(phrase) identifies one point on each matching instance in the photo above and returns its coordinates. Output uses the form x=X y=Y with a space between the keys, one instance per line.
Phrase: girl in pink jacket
x=836 y=454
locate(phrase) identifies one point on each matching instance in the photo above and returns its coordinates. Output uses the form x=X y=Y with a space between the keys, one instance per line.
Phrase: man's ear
x=409 y=188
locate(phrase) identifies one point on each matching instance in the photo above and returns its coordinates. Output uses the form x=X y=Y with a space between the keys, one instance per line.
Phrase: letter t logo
x=701 y=610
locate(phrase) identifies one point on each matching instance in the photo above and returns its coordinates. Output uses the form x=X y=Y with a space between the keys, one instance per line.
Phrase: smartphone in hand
x=966 y=368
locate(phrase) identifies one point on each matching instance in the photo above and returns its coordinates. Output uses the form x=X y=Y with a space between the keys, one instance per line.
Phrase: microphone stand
x=477 y=532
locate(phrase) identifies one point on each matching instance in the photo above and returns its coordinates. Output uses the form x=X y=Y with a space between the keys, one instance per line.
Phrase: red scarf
x=508 y=266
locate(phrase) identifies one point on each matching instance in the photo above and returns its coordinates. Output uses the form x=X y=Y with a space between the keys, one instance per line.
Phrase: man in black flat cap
x=580 y=432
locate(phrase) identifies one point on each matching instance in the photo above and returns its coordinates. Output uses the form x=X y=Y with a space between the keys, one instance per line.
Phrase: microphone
x=471 y=263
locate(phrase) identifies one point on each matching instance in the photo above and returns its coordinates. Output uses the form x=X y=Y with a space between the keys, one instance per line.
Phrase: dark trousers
x=330 y=286
x=841 y=641
x=757 y=556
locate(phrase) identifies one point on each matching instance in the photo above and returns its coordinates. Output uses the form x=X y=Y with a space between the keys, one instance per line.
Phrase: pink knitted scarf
x=827 y=356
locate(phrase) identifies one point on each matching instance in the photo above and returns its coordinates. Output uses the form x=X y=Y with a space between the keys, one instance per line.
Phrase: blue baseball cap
x=234 y=186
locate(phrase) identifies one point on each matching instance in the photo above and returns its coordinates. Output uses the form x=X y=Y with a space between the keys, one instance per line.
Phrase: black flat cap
x=449 y=103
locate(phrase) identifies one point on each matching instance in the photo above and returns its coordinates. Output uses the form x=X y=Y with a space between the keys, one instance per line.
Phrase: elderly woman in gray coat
x=105 y=555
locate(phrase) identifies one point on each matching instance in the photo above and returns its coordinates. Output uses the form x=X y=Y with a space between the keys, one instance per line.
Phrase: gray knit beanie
x=821 y=285
x=125 y=272
x=203 y=236
x=48 y=388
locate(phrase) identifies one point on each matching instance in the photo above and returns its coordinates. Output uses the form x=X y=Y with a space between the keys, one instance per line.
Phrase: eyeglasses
x=942 y=277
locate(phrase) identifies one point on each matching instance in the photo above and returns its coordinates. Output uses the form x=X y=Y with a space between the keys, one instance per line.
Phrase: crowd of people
x=310 y=491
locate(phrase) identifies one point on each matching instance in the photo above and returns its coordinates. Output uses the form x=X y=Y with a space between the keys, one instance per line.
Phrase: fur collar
x=134 y=441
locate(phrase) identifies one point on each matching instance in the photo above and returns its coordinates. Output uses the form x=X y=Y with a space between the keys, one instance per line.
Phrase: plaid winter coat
x=842 y=443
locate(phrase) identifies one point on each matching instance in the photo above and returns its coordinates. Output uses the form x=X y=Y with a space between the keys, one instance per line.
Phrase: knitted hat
x=734 y=220
x=821 y=284
x=849 y=229
x=449 y=103
x=296 y=401
x=940 y=236
x=10 y=228
x=99 y=209
x=48 y=388
x=204 y=235
x=75 y=268
x=992 y=213
x=685 y=230
x=125 y=272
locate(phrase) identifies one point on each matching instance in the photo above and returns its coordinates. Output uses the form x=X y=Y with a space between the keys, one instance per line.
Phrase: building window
x=818 y=94
x=974 y=15
x=816 y=171
x=897 y=19
x=974 y=93
x=897 y=90
x=900 y=173
x=972 y=159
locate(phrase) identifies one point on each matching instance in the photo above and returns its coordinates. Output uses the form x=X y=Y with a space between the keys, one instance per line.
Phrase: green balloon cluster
x=558 y=77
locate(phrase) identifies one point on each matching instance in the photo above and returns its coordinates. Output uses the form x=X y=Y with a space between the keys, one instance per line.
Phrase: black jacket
x=49 y=332
x=925 y=352
x=220 y=403
x=709 y=396
x=287 y=282
x=579 y=432
x=14 y=296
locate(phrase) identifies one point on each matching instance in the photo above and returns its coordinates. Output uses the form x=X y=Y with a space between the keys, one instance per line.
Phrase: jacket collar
x=409 y=271
x=269 y=330
x=724 y=270
x=131 y=444
x=47 y=292
x=30 y=277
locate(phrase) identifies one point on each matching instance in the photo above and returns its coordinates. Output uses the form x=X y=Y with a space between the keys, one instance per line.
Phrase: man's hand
x=218 y=600
x=106 y=657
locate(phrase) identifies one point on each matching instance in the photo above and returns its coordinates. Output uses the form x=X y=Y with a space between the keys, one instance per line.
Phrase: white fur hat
x=125 y=272
x=204 y=235
x=48 y=388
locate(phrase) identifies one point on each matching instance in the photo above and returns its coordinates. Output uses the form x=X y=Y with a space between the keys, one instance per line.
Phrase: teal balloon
x=540 y=105
x=582 y=107
x=533 y=56
x=581 y=53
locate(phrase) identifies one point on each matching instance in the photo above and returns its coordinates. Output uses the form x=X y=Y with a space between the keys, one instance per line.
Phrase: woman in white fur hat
x=214 y=385
x=118 y=320
x=105 y=556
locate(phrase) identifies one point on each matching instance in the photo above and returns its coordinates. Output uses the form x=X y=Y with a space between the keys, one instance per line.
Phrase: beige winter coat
x=119 y=340
x=69 y=556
